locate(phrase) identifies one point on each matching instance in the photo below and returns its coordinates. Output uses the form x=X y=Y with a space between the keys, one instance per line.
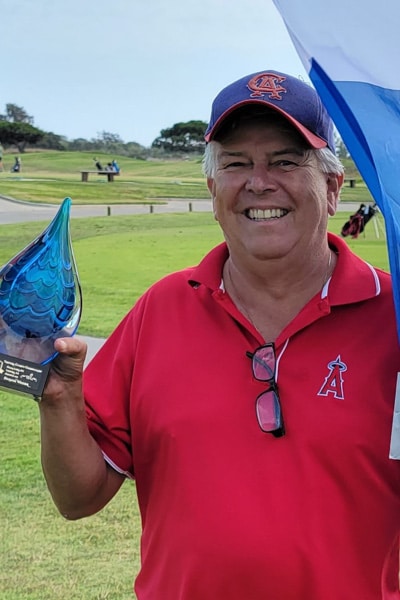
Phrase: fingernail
x=62 y=346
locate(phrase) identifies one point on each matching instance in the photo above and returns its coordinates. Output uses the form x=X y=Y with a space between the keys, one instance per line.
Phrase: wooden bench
x=109 y=174
x=351 y=182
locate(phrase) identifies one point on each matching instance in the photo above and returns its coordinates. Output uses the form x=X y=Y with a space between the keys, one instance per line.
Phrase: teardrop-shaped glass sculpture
x=40 y=294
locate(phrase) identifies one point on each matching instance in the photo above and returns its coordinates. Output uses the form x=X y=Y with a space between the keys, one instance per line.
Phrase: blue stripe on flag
x=368 y=119
x=333 y=96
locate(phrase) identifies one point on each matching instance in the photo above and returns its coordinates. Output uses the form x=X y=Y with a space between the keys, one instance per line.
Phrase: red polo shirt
x=230 y=512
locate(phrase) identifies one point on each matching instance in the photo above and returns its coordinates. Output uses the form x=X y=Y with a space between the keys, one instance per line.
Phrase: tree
x=341 y=149
x=108 y=142
x=182 y=137
x=19 y=134
x=135 y=150
x=16 y=128
x=16 y=114
x=106 y=138
x=52 y=141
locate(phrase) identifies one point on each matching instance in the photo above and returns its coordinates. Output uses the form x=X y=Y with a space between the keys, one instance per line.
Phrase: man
x=254 y=420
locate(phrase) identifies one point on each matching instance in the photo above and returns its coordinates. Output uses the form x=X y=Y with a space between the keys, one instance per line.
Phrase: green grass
x=44 y=557
x=48 y=177
x=119 y=257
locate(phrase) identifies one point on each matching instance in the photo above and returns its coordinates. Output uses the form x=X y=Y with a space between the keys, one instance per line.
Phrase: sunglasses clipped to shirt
x=268 y=406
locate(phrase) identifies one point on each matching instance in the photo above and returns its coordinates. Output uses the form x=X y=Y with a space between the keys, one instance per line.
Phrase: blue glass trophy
x=40 y=301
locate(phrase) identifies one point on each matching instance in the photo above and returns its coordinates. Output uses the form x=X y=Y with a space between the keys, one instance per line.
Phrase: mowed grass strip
x=47 y=177
x=42 y=556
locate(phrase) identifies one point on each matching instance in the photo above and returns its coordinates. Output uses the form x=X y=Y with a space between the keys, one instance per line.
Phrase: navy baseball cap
x=294 y=99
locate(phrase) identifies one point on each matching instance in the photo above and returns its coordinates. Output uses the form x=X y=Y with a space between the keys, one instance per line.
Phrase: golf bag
x=357 y=222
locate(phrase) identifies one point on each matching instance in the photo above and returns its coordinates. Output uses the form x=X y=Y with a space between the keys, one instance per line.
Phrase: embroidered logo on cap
x=267 y=83
x=333 y=383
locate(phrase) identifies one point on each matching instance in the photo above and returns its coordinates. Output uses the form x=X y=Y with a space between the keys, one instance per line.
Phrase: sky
x=133 y=67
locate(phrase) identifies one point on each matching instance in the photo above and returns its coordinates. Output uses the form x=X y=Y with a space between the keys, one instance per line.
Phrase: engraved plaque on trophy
x=40 y=301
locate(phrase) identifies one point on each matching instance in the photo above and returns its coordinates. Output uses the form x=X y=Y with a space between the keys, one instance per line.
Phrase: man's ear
x=335 y=182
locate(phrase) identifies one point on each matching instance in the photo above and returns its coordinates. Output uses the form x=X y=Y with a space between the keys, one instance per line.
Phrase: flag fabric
x=351 y=52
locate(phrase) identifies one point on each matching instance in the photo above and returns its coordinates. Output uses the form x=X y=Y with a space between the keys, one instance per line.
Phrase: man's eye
x=285 y=163
x=235 y=164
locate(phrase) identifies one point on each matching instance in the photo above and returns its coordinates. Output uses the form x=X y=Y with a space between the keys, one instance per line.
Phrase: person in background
x=254 y=419
x=1 y=158
x=16 y=168
x=98 y=164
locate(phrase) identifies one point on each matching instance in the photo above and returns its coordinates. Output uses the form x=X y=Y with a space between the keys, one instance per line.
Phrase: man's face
x=269 y=197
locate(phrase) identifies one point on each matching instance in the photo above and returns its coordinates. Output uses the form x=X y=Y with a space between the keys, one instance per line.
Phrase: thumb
x=69 y=362
x=71 y=346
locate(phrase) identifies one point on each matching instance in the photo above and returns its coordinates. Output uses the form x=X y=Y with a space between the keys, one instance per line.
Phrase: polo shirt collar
x=353 y=279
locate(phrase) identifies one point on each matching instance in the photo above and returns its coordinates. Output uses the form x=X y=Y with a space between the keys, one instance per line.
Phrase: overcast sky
x=133 y=67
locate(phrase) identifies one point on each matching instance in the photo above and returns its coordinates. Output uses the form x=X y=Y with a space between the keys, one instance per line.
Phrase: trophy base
x=22 y=376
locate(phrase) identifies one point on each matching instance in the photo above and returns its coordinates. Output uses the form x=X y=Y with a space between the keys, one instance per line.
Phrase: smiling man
x=272 y=195
x=250 y=397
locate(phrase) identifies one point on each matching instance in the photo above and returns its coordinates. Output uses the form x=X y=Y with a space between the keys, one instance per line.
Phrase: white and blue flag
x=351 y=52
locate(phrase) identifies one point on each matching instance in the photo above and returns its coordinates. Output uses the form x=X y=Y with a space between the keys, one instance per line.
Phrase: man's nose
x=260 y=179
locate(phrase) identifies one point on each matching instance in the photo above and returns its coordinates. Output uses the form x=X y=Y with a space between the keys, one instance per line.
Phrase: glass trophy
x=40 y=301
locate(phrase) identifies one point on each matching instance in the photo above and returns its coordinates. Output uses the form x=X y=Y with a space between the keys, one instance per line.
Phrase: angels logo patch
x=333 y=383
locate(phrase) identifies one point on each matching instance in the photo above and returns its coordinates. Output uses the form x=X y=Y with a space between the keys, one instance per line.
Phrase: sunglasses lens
x=269 y=411
x=264 y=363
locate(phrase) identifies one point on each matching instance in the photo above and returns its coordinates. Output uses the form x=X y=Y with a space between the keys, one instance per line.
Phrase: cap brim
x=314 y=140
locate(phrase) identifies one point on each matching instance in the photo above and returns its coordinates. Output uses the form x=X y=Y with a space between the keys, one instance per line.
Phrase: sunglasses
x=268 y=406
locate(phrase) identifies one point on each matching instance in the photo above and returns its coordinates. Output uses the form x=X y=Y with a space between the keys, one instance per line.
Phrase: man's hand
x=65 y=376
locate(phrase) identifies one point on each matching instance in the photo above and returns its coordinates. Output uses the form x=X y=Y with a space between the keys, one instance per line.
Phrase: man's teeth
x=269 y=213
